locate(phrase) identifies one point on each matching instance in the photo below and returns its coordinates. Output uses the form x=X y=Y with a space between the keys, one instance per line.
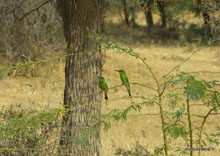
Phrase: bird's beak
x=117 y=70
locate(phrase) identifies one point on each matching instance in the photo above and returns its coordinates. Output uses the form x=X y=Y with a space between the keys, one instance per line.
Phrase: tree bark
x=82 y=94
x=125 y=10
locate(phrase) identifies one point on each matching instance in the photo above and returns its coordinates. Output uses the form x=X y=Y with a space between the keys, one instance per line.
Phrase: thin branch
x=206 y=72
x=144 y=86
x=164 y=88
x=137 y=115
x=116 y=86
x=186 y=59
x=17 y=7
x=203 y=123
x=189 y=122
x=27 y=13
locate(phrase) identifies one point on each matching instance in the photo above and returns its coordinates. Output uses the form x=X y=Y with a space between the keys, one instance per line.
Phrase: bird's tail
x=128 y=88
x=106 y=96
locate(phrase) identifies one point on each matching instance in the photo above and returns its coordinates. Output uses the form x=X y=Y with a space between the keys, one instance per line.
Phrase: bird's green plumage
x=125 y=81
x=104 y=87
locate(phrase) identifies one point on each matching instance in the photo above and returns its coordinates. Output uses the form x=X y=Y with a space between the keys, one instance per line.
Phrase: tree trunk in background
x=149 y=18
x=133 y=9
x=162 y=13
x=125 y=10
x=132 y=14
x=148 y=13
x=206 y=17
x=204 y=11
x=81 y=95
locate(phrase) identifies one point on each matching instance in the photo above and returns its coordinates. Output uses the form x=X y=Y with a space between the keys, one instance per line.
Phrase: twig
x=208 y=72
x=27 y=13
x=203 y=123
x=186 y=59
x=189 y=122
x=164 y=88
x=115 y=86
x=144 y=86
x=17 y=7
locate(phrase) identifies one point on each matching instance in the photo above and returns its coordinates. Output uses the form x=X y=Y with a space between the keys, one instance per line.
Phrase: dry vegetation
x=46 y=91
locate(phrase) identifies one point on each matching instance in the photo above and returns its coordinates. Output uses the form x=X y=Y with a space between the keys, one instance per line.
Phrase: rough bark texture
x=82 y=95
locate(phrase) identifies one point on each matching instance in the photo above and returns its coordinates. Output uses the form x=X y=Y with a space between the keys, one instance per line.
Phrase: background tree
x=146 y=5
x=129 y=10
x=161 y=5
x=125 y=11
x=27 y=28
x=133 y=11
x=81 y=95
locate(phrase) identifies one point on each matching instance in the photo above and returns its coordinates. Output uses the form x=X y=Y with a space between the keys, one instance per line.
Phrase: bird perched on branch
x=104 y=87
x=125 y=81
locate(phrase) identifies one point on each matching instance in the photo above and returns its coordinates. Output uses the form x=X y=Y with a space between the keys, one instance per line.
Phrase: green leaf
x=90 y=36
x=178 y=115
x=98 y=37
x=102 y=43
x=195 y=89
x=88 y=51
x=173 y=100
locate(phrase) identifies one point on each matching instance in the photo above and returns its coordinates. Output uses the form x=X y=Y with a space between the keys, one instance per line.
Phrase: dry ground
x=46 y=91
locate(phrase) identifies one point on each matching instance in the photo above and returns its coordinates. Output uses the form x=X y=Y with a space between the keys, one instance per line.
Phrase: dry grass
x=47 y=90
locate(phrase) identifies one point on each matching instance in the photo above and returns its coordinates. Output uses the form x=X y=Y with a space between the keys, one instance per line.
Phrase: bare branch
x=186 y=59
x=17 y=7
x=205 y=72
x=27 y=13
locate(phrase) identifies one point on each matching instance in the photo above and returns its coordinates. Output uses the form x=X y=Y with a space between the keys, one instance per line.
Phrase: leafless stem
x=17 y=7
x=186 y=59
x=203 y=123
x=35 y=9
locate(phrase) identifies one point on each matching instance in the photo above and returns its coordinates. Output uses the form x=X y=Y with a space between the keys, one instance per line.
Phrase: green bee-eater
x=125 y=81
x=104 y=87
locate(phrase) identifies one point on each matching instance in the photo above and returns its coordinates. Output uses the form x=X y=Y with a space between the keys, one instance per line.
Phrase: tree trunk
x=148 y=13
x=206 y=17
x=149 y=18
x=125 y=10
x=81 y=95
x=162 y=13
x=132 y=14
